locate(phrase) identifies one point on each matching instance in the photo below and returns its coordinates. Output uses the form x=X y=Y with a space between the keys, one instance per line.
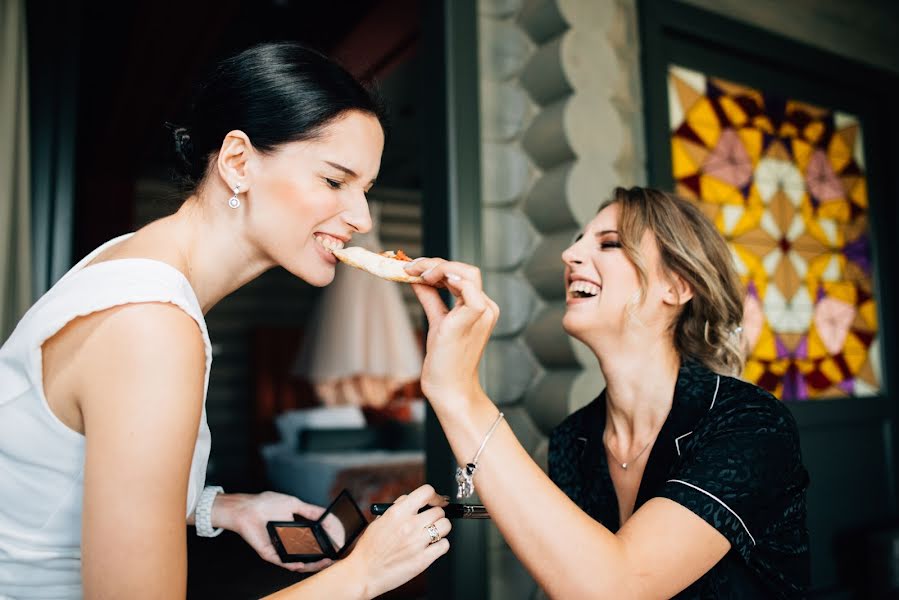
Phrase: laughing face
x=310 y=196
x=603 y=286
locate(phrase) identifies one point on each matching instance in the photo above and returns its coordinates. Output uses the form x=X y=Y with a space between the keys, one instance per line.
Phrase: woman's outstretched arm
x=661 y=549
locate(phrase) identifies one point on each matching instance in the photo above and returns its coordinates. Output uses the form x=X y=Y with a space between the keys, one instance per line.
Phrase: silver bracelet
x=203 y=512
x=465 y=475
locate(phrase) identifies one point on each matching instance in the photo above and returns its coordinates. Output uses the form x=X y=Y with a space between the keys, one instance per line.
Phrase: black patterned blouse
x=729 y=452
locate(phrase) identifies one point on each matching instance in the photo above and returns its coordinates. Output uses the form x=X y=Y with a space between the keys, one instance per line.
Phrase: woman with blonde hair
x=678 y=480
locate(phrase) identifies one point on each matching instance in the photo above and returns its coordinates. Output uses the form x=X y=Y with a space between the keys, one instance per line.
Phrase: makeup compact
x=331 y=536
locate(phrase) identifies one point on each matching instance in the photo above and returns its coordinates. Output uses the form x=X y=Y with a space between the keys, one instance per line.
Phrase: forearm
x=342 y=581
x=567 y=552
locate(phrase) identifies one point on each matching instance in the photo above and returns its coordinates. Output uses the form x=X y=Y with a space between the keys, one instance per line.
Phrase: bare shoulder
x=129 y=344
x=156 y=325
x=133 y=332
x=142 y=350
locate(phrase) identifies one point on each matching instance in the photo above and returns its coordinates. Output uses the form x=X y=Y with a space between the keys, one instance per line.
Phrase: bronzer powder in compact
x=298 y=540
x=331 y=536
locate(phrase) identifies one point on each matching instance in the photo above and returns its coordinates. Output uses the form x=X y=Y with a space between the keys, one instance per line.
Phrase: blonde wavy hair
x=707 y=329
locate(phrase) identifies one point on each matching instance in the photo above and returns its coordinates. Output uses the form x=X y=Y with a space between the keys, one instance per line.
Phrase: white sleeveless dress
x=41 y=459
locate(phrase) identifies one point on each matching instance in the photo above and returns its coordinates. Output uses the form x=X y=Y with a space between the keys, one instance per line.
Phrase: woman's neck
x=208 y=246
x=640 y=378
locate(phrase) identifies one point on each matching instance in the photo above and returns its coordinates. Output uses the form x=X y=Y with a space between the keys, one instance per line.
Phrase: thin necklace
x=625 y=463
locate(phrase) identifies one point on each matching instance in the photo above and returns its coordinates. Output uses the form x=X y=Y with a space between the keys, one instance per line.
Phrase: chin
x=318 y=279
x=582 y=327
x=570 y=325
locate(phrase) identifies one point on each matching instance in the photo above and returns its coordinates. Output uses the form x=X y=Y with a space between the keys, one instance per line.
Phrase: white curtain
x=15 y=188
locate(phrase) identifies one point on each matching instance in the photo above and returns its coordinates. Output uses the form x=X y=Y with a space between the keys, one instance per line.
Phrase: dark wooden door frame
x=451 y=214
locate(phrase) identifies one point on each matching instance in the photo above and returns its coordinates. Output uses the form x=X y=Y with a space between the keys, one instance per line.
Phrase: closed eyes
x=608 y=238
x=604 y=244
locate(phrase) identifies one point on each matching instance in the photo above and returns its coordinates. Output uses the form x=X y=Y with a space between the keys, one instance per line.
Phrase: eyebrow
x=605 y=231
x=339 y=167
x=348 y=171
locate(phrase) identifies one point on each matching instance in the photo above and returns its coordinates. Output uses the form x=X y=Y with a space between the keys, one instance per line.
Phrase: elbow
x=611 y=576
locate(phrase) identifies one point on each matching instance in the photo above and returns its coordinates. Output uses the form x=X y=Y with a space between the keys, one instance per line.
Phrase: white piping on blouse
x=719 y=501
x=715 y=396
x=677 y=441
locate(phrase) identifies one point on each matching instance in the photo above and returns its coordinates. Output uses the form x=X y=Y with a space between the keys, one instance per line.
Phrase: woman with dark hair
x=678 y=480
x=103 y=434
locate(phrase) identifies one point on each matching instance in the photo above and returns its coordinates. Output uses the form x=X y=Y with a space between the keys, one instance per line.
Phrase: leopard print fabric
x=729 y=452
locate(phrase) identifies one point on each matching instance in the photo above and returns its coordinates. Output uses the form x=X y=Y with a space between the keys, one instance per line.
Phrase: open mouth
x=583 y=289
x=328 y=242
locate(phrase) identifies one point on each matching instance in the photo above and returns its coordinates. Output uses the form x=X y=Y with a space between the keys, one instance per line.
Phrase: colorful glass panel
x=784 y=181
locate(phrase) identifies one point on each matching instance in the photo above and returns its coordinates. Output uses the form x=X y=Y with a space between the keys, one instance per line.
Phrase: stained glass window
x=784 y=181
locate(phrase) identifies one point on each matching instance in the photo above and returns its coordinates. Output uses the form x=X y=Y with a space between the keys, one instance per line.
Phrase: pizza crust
x=384 y=267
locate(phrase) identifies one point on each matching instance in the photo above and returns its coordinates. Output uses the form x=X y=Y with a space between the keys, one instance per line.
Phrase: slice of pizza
x=387 y=265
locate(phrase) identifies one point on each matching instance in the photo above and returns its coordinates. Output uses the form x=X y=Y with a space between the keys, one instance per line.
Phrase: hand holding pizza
x=457 y=337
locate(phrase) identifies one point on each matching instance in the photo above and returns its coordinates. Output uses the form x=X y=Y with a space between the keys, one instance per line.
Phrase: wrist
x=226 y=511
x=456 y=398
x=459 y=406
x=465 y=424
x=353 y=573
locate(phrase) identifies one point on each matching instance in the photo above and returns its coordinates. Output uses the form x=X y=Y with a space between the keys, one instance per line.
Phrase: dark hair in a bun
x=183 y=147
x=276 y=93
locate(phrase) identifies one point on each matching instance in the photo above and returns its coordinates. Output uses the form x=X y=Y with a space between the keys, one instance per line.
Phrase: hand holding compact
x=402 y=543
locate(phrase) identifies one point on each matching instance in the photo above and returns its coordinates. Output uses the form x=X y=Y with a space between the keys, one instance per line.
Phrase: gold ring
x=432 y=531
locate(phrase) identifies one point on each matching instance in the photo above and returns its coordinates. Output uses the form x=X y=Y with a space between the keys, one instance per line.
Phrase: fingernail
x=426 y=273
x=453 y=277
